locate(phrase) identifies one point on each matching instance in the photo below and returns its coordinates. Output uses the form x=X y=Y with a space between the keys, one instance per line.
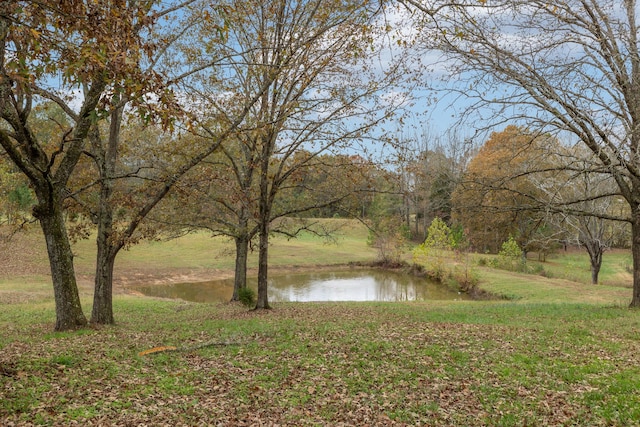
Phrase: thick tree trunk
x=69 y=313
x=635 y=250
x=242 y=253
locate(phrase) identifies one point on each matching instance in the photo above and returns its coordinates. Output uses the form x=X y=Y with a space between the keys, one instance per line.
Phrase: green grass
x=462 y=363
x=574 y=265
x=560 y=352
x=201 y=251
x=534 y=288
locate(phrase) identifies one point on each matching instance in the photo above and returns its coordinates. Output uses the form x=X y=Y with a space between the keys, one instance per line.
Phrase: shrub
x=537 y=269
x=247 y=296
x=389 y=238
x=465 y=275
x=510 y=249
x=442 y=262
x=511 y=256
x=435 y=253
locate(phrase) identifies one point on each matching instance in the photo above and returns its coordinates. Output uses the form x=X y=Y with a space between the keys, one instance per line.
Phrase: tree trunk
x=264 y=215
x=595 y=271
x=407 y=211
x=102 y=312
x=263 y=300
x=635 y=250
x=69 y=313
x=596 y=263
x=595 y=250
x=242 y=253
x=108 y=245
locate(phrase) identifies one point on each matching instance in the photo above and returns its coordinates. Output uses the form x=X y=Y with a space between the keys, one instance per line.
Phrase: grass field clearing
x=559 y=352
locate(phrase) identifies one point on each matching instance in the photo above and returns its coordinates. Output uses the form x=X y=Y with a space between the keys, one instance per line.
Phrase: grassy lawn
x=560 y=352
x=201 y=252
x=574 y=265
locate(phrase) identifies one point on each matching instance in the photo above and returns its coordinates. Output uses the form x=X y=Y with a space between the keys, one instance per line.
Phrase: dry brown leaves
x=300 y=365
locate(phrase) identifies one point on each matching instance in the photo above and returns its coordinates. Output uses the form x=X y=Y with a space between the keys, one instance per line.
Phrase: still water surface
x=346 y=285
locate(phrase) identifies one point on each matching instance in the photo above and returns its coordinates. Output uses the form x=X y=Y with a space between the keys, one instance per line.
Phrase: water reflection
x=348 y=285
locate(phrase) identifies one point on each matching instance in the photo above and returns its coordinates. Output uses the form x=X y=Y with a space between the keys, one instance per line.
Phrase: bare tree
x=567 y=67
x=429 y=166
x=326 y=95
x=581 y=202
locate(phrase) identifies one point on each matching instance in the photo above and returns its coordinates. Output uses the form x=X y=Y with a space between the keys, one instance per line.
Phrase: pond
x=342 y=285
